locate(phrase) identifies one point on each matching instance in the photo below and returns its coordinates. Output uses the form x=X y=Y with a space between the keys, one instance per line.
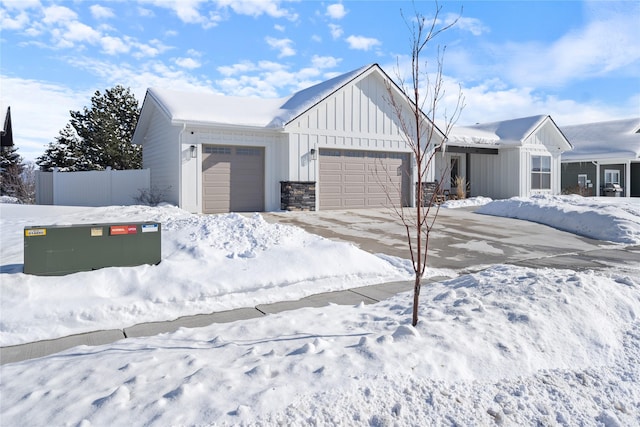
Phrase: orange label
x=123 y=229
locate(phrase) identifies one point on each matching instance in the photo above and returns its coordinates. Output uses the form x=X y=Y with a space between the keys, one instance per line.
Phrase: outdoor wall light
x=193 y=151
x=313 y=154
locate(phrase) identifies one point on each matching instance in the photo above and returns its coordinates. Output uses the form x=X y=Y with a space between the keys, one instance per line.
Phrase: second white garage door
x=232 y=179
x=363 y=179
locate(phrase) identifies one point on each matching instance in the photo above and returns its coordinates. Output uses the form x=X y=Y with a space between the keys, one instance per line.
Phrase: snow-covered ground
x=508 y=345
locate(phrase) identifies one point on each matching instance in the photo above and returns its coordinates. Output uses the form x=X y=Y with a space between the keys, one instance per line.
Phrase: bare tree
x=417 y=122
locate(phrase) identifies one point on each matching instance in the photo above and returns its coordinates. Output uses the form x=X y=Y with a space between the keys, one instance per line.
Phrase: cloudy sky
x=577 y=61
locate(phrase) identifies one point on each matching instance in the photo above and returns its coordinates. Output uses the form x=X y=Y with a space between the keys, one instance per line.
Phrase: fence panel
x=92 y=188
x=44 y=188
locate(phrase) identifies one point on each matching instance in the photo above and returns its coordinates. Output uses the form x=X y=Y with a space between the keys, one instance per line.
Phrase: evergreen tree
x=99 y=136
x=65 y=154
x=11 y=169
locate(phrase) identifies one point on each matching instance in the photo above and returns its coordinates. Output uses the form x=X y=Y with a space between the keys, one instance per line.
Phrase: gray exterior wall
x=635 y=179
x=570 y=172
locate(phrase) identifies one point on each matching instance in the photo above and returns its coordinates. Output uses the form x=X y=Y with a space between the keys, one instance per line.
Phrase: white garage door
x=363 y=179
x=232 y=179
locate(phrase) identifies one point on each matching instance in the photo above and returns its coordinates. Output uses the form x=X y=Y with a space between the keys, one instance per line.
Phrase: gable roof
x=266 y=113
x=616 y=139
x=502 y=133
x=274 y=113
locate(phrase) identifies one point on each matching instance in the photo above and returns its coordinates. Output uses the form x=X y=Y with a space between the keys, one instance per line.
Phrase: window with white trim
x=541 y=172
x=582 y=180
x=611 y=176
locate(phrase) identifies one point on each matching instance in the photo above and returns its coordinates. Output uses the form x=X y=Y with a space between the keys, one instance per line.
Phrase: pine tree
x=65 y=154
x=11 y=169
x=98 y=137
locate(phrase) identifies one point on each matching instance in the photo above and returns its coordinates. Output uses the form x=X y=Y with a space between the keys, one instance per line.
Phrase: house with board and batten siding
x=510 y=158
x=334 y=145
x=606 y=153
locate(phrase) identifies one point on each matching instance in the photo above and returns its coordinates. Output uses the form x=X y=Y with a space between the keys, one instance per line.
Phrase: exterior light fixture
x=313 y=154
x=193 y=151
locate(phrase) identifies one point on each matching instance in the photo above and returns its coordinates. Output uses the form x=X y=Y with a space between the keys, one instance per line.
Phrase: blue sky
x=576 y=61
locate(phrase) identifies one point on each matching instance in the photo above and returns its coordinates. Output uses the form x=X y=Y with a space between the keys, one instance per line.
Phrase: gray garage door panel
x=362 y=179
x=232 y=179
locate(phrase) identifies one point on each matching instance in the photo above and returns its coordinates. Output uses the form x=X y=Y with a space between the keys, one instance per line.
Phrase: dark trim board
x=468 y=150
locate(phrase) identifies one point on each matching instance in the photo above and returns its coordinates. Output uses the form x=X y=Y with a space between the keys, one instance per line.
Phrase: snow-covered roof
x=191 y=107
x=506 y=132
x=617 y=139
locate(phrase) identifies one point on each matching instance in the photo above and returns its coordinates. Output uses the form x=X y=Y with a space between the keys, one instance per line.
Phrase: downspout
x=597 y=177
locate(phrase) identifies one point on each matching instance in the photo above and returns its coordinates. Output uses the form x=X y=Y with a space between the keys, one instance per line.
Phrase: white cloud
x=114 y=45
x=362 y=43
x=79 y=32
x=149 y=50
x=188 y=11
x=58 y=15
x=491 y=101
x=607 y=43
x=325 y=61
x=141 y=76
x=283 y=45
x=278 y=27
x=258 y=7
x=188 y=63
x=336 y=31
x=17 y=22
x=39 y=110
x=20 y=4
x=101 y=12
x=147 y=13
x=473 y=25
x=242 y=67
x=336 y=11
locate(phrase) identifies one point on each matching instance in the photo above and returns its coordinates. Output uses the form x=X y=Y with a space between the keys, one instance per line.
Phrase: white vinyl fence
x=91 y=188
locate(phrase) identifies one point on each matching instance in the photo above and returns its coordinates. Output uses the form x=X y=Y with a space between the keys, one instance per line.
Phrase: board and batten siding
x=543 y=142
x=357 y=117
x=493 y=175
x=160 y=153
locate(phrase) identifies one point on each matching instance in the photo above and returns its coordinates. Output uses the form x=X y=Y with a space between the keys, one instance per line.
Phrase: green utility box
x=57 y=250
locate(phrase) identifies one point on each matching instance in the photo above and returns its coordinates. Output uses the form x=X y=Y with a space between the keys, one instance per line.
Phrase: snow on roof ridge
x=249 y=111
x=497 y=133
x=605 y=140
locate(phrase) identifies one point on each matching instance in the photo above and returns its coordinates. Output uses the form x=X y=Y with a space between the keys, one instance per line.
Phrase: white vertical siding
x=495 y=175
x=545 y=141
x=357 y=117
x=160 y=153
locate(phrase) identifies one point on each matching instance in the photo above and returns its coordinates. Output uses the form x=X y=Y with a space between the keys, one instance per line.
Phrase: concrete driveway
x=463 y=240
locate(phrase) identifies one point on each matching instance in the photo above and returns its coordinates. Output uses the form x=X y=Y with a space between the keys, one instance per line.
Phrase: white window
x=611 y=176
x=582 y=180
x=541 y=172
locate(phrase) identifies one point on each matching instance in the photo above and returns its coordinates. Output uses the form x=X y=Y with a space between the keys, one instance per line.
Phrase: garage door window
x=217 y=150
x=248 y=152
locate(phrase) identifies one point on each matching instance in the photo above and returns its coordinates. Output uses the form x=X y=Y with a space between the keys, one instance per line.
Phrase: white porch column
x=597 y=178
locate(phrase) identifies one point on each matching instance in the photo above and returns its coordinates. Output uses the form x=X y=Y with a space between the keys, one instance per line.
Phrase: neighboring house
x=519 y=157
x=334 y=145
x=604 y=154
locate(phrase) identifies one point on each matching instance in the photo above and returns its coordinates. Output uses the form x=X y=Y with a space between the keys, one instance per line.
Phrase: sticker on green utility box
x=96 y=231
x=149 y=228
x=35 y=232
